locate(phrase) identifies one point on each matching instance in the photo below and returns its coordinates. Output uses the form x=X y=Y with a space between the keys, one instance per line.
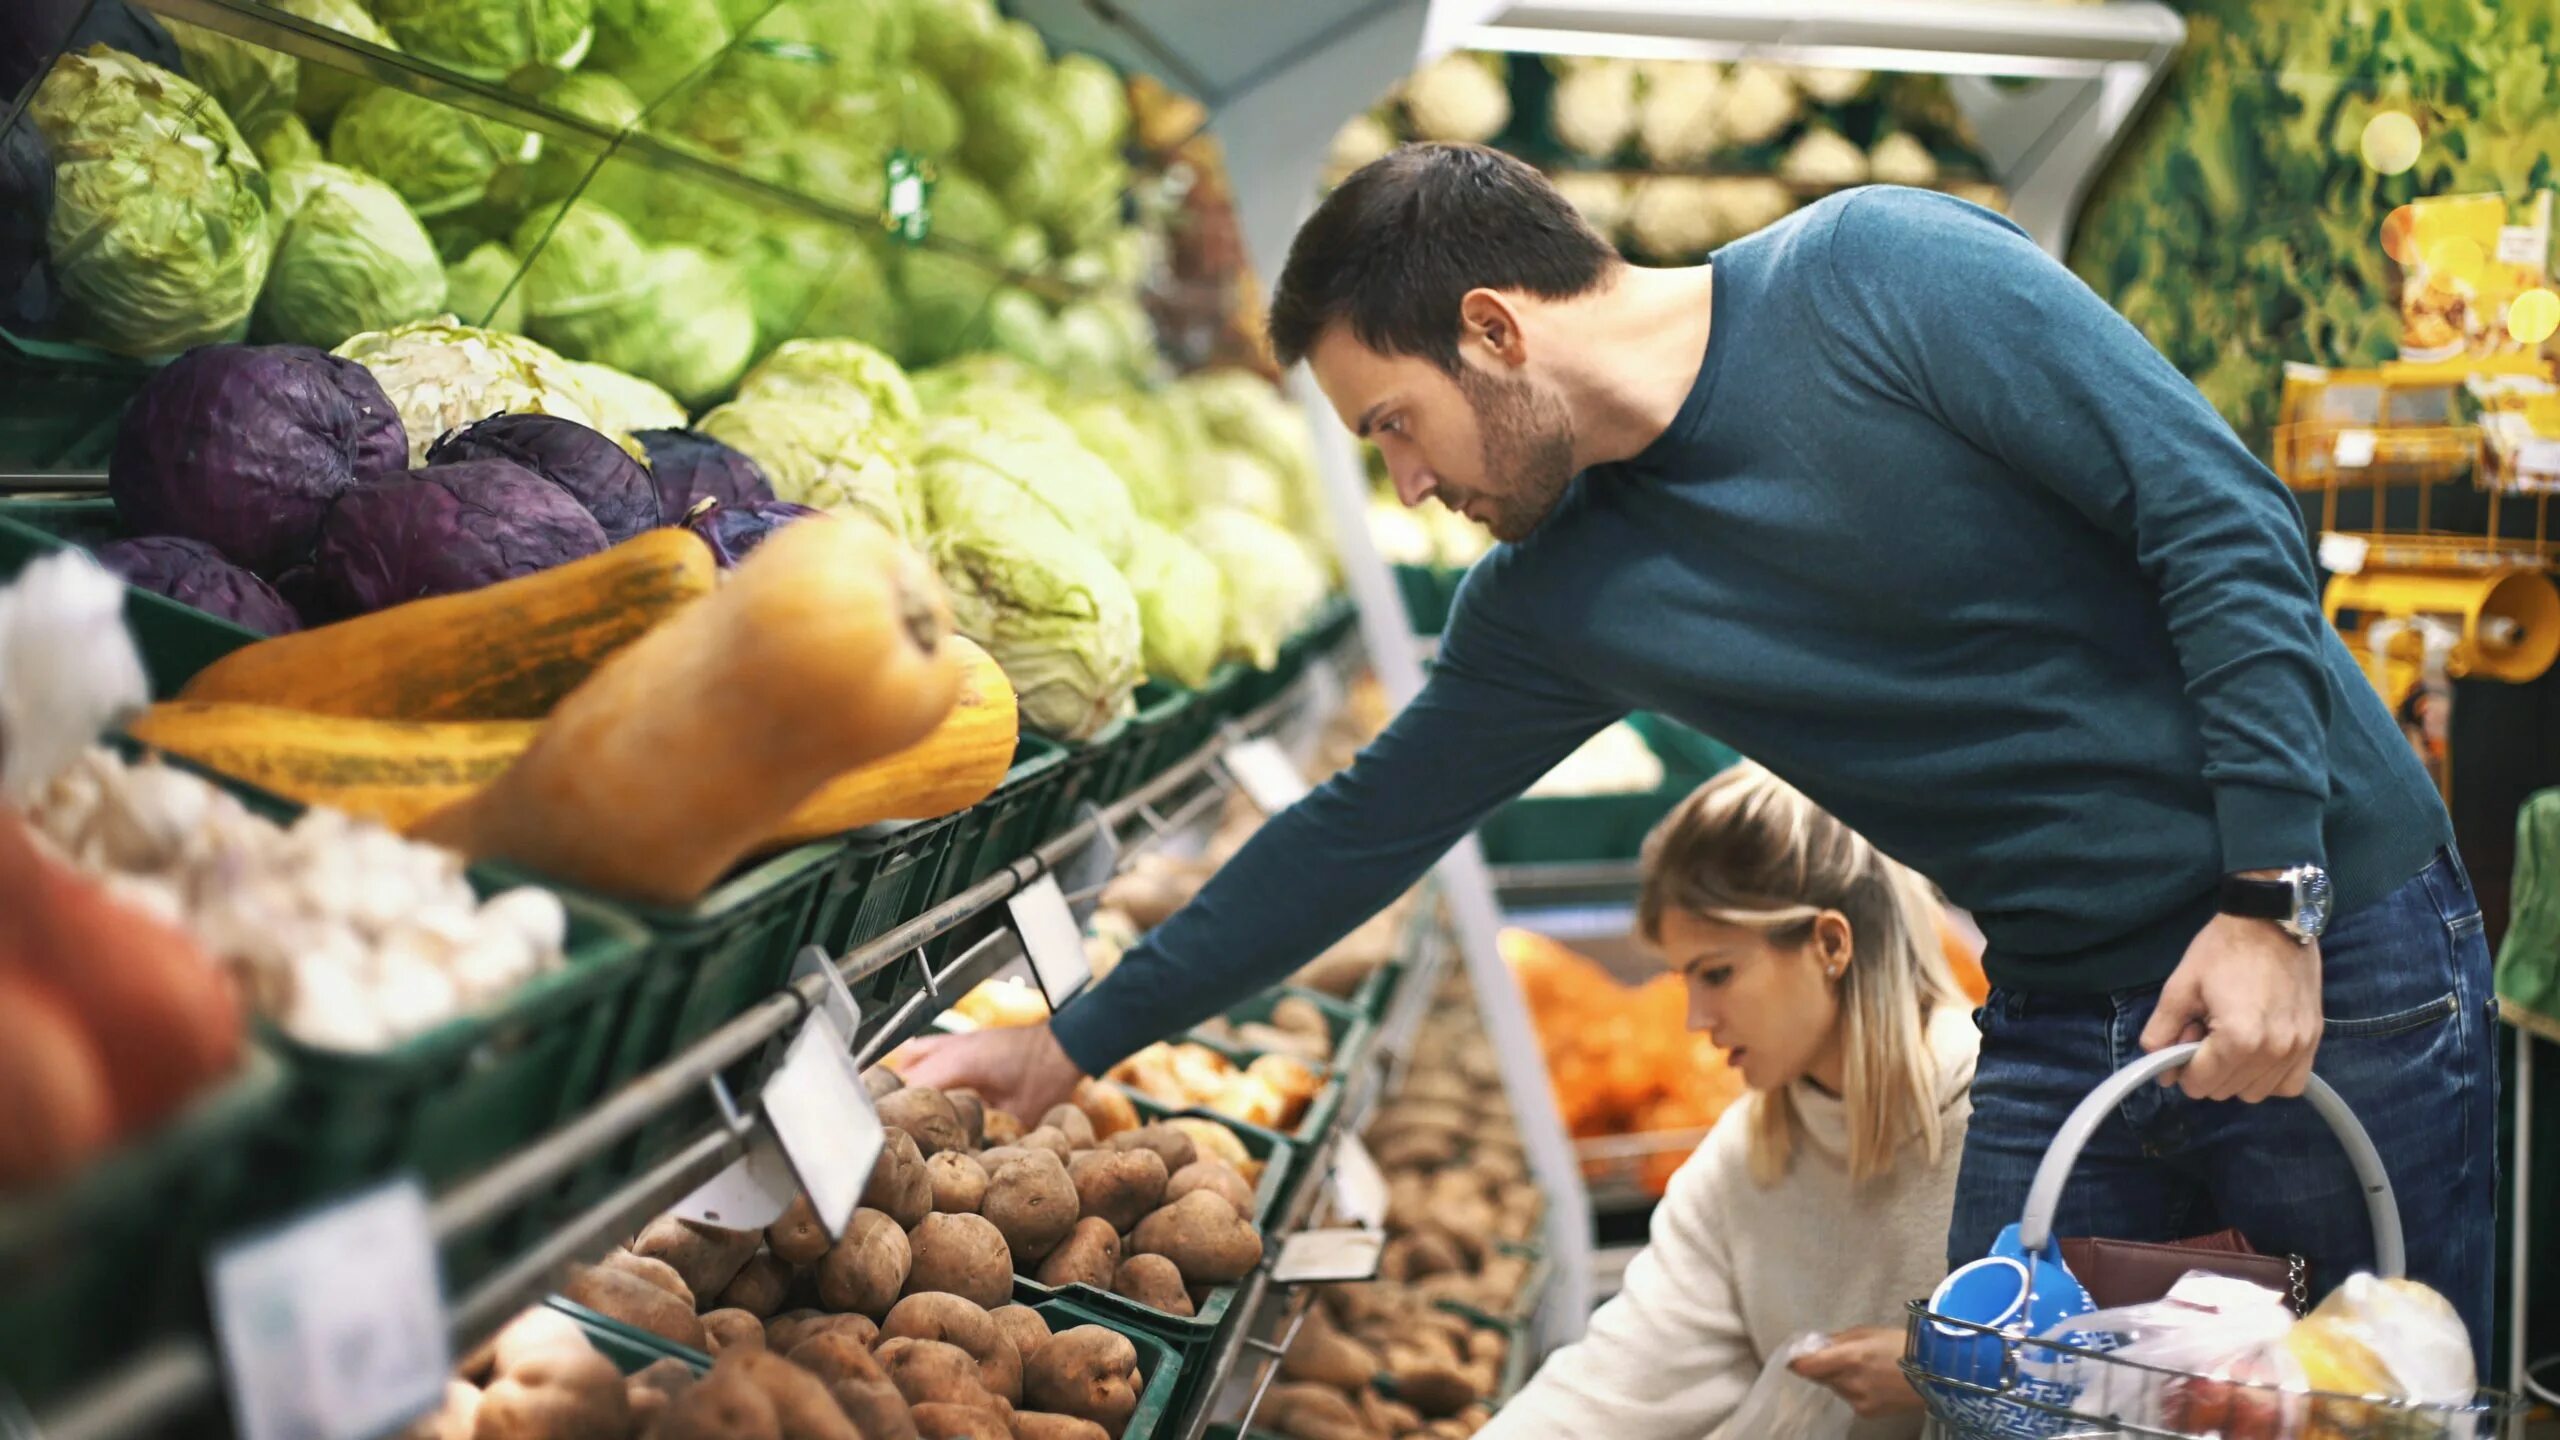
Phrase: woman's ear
x=1834 y=943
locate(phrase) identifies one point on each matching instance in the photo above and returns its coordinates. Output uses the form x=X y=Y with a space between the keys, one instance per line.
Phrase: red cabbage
x=601 y=474
x=194 y=573
x=244 y=446
x=688 y=467
x=444 y=529
x=733 y=530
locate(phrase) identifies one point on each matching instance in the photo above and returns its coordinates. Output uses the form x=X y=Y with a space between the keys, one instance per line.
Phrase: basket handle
x=2035 y=1228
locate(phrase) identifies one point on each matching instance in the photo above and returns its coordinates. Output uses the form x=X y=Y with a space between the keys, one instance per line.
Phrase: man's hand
x=1864 y=1367
x=2251 y=993
x=1021 y=1069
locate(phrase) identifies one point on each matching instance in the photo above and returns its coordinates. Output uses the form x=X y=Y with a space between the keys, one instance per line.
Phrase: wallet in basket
x=2132 y=1272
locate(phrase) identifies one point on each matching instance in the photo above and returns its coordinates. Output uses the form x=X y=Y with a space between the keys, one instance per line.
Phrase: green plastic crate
x=884 y=878
x=1163 y=1368
x=64 y=403
x=1085 y=772
x=175 y=640
x=1426 y=591
x=1566 y=829
x=1004 y=827
x=1152 y=741
x=1345 y=1025
x=116 y=1257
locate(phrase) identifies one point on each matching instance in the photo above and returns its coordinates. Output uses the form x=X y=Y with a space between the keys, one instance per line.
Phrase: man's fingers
x=2178 y=1019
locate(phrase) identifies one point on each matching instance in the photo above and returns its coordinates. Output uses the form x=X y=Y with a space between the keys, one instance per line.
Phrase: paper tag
x=823 y=1116
x=1052 y=940
x=2524 y=245
x=2342 y=554
x=1359 y=1187
x=2354 y=449
x=1271 y=780
x=332 y=1326
x=907 y=209
x=1322 y=1257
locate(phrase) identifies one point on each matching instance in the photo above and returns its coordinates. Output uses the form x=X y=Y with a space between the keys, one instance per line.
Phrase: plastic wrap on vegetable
x=688 y=468
x=67 y=668
x=446 y=529
x=194 y=573
x=734 y=531
x=586 y=463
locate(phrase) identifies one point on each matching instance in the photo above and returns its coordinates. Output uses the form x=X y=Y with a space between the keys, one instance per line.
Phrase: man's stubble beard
x=1527 y=438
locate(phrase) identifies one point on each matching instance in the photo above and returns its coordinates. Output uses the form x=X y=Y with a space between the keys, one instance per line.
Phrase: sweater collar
x=1824 y=1119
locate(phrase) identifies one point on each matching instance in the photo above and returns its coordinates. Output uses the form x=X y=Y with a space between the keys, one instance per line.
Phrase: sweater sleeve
x=1488 y=723
x=1667 y=1358
x=1955 y=311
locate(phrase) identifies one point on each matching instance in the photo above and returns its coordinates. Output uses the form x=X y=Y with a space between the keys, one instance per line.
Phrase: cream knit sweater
x=1735 y=1271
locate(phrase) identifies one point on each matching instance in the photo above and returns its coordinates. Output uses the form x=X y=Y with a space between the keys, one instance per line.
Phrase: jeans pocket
x=2471 y=924
x=2434 y=1012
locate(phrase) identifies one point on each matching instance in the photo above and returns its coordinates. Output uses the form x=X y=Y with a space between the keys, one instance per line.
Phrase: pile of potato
x=1271 y=1090
x=1381 y=1362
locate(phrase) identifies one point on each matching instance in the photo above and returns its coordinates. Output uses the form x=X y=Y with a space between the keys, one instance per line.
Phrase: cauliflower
x=1365 y=139
x=1601 y=197
x=1739 y=205
x=1760 y=102
x=1594 y=107
x=1457 y=97
x=1678 y=120
x=1824 y=157
x=1833 y=87
x=1673 y=217
x=1898 y=159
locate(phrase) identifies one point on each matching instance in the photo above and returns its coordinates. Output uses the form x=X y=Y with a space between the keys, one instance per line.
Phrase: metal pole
x=2520 y=1229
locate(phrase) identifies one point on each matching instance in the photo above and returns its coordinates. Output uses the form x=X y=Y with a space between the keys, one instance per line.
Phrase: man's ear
x=1489 y=329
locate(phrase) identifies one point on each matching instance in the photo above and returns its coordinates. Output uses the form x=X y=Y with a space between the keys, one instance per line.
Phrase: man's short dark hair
x=1395 y=248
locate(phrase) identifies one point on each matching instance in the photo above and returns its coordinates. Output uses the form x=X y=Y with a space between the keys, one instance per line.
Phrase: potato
x=1051 y=1139
x=662 y=1380
x=637 y=1303
x=1107 y=1108
x=1214 y=1141
x=959 y=1183
x=876 y=1409
x=1120 y=1186
x=1023 y=1326
x=1155 y=1282
x=1434 y=1388
x=955 y=1321
x=1171 y=1145
x=654 y=1272
x=1071 y=1122
x=1040 y=1425
x=760 y=1287
x=993 y=1157
x=880 y=1082
x=456 y=1417
x=1088 y=1372
x=931 y=1372
x=705 y=1257
x=834 y=1355
x=538 y=1329
x=1033 y=1202
x=1314 y=1412
x=725 y=1405
x=899 y=1187
x=1203 y=1236
x=558 y=1394
x=1216 y=1177
x=963 y=1255
x=1388 y=1417
x=1090 y=1255
x=727 y=1329
x=1301 y=1016
x=999 y=1127
x=800 y=1399
x=937 y=1421
x=798 y=1238
x=1326 y=1356
x=863 y=1274
x=928 y=1115
x=783 y=1331
x=971 y=1107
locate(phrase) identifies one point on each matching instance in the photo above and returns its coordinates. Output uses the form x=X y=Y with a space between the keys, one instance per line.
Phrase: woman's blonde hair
x=1748 y=849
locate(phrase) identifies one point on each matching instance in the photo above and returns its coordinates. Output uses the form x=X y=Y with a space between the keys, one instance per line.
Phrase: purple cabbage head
x=444 y=529
x=194 y=573
x=734 y=530
x=601 y=474
x=244 y=446
x=688 y=467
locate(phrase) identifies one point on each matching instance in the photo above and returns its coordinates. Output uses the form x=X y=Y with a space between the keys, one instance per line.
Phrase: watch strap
x=2255 y=899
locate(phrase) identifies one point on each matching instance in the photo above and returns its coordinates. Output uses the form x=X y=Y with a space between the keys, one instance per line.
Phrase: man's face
x=1490 y=444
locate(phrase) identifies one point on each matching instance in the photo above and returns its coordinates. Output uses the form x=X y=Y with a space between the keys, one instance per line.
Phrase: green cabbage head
x=474 y=283
x=440 y=375
x=1273 y=584
x=626 y=402
x=324 y=89
x=1037 y=451
x=1091 y=99
x=352 y=259
x=1040 y=598
x=822 y=369
x=820 y=456
x=256 y=85
x=161 y=232
x=441 y=159
x=1182 y=605
x=492 y=38
x=1138 y=455
x=651 y=45
x=685 y=324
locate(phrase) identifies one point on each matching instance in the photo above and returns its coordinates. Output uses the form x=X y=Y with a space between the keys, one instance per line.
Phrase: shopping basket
x=2015 y=1386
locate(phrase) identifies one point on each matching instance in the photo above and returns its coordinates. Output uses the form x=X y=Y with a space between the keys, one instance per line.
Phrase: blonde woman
x=1819 y=1204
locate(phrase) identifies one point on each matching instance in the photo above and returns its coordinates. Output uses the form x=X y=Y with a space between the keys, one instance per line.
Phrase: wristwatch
x=2298 y=900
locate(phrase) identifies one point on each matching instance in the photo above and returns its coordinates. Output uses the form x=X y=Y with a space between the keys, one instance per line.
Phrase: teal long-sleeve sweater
x=1942 y=541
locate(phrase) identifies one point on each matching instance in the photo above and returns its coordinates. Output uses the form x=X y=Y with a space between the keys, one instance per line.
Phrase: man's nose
x=1413 y=481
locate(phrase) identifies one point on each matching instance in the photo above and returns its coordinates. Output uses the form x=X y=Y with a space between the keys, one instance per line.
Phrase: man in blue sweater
x=1886 y=499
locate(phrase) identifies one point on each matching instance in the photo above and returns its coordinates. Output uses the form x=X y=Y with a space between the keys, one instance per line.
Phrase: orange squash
x=955 y=767
x=397 y=772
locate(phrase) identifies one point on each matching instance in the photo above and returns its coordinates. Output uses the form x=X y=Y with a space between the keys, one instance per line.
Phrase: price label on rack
x=1271 y=780
x=331 y=1326
x=1329 y=1257
x=823 y=1116
x=1052 y=940
x=1359 y=1186
x=2355 y=449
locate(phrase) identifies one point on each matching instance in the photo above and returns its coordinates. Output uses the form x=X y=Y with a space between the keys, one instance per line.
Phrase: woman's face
x=1771 y=1008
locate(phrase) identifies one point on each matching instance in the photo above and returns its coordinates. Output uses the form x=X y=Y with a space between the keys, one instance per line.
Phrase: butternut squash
x=955 y=767
x=826 y=649
x=507 y=651
x=397 y=772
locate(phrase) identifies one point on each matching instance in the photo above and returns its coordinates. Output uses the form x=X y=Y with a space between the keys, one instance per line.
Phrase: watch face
x=2311 y=901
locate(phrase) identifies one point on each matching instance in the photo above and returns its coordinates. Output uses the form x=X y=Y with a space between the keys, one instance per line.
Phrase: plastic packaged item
x=1783 y=1405
x=68 y=668
x=2174 y=1362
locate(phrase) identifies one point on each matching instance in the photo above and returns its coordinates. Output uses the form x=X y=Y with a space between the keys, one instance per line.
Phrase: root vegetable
x=572 y=1394
x=654 y=1272
x=724 y=1406
x=1087 y=1372
x=1073 y=1123
x=1000 y=1127
x=1203 y=1236
x=955 y=1321
x=800 y=1399
x=1216 y=1177
x=760 y=1286
x=972 y=1110
x=1038 y=1425
x=1090 y=1255
x=928 y=1115
x=1120 y=1186
x=729 y=1329
x=1155 y=1282
x=936 y=1421
x=705 y=1257
x=876 y=1408
x=959 y=1183
x=798 y=1237
x=623 y=1296
x=1052 y=1139
x=1170 y=1145
x=934 y=1372
x=963 y=1255
x=864 y=1272
x=899 y=1186
x=1032 y=1202
x=1107 y=1108
x=1023 y=1326
x=834 y=1355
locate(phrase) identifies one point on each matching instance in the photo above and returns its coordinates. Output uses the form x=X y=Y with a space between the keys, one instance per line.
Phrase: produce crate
x=175 y=640
x=1005 y=826
x=1427 y=591
x=1148 y=743
x=709 y=961
x=116 y=1256
x=884 y=878
x=1563 y=829
x=64 y=402
x=1344 y=1023
x=630 y=1348
x=1086 y=772
x=1164 y=1367
x=1378 y=991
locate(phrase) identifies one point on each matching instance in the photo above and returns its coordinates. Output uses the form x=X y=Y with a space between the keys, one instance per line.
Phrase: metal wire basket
x=2023 y=1388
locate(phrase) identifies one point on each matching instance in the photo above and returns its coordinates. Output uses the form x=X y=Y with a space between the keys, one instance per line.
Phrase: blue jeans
x=2409 y=1044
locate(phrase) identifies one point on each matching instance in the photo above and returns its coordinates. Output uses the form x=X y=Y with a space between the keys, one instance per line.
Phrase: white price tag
x=332 y=1325
x=2354 y=449
x=2525 y=245
x=822 y=1114
x=1052 y=940
x=2342 y=554
x=1359 y=1187
x=1325 y=1257
x=1271 y=780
